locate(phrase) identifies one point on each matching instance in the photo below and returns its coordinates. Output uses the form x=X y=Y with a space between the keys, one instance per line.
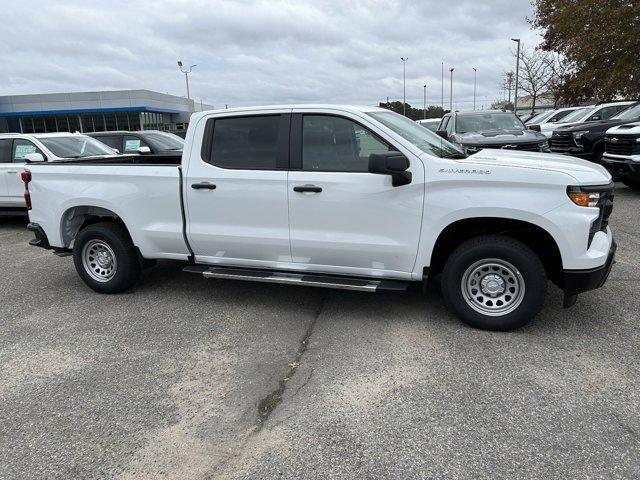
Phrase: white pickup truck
x=357 y=198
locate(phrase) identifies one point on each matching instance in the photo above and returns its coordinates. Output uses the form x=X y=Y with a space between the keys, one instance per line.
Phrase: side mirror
x=143 y=150
x=535 y=128
x=116 y=150
x=391 y=163
x=34 y=157
x=442 y=133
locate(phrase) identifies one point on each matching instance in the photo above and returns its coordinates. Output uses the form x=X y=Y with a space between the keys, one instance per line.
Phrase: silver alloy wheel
x=99 y=261
x=493 y=287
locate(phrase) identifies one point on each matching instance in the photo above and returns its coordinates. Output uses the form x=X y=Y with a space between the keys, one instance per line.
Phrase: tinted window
x=75 y=146
x=21 y=148
x=5 y=150
x=477 y=122
x=245 y=142
x=114 y=141
x=132 y=144
x=337 y=144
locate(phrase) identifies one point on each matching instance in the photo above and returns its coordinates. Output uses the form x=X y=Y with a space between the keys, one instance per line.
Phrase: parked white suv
x=17 y=148
x=594 y=113
x=358 y=198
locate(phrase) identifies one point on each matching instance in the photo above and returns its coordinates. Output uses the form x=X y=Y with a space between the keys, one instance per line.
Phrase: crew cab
x=475 y=130
x=585 y=139
x=622 y=154
x=17 y=148
x=358 y=198
x=142 y=142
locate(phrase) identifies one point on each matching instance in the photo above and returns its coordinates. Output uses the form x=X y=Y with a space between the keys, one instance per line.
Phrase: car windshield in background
x=424 y=139
x=481 y=122
x=628 y=114
x=77 y=146
x=164 y=141
x=577 y=115
x=541 y=117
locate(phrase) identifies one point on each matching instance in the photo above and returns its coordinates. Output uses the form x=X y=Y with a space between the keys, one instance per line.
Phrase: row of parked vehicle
x=606 y=133
x=17 y=149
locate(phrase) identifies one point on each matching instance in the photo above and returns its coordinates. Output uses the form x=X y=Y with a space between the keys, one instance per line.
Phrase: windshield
x=578 y=115
x=164 y=141
x=480 y=122
x=424 y=139
x=75 y=146
x=628 y=114
x=540 y=118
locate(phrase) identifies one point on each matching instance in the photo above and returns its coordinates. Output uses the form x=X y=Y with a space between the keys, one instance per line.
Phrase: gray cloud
x=263 y=52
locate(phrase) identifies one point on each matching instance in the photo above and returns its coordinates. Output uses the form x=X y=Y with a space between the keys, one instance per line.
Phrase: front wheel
x=105 y=258
x=493 y=282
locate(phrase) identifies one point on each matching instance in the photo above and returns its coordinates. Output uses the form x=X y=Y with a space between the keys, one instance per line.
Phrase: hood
x=591 y=126
x=584 y=172
x=492 y=137
x=626 y=129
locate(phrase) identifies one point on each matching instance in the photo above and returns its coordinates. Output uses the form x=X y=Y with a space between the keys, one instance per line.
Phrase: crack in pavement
x=268 y=404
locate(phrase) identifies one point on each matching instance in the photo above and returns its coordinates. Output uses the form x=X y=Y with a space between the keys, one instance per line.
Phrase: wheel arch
x=76 y=218
x=534 y=236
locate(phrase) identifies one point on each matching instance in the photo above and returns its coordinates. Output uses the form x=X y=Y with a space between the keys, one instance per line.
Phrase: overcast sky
x=263 y=52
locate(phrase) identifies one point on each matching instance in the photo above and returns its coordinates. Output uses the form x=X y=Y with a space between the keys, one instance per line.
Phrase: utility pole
x=425 y=101
x=475 y=72
x=404 y=85
x=451 y=90
x=515 y=99
x=186 y=75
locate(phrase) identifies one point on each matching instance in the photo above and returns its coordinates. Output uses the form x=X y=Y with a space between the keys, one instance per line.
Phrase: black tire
x=526 y=279
x=632 y=184
x=115 y=241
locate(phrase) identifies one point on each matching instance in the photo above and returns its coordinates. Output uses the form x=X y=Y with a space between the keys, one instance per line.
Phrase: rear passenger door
x=5 y=165
x=14 y=191
x=236 y=190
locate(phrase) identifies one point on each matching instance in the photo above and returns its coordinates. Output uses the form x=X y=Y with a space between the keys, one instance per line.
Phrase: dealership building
x=96 y=111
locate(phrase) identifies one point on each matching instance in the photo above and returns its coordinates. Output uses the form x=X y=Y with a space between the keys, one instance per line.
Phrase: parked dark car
x=586 y=140
x=142 y=142
x=478 y=129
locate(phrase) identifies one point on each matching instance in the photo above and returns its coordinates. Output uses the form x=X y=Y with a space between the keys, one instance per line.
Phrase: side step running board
x=312 y=280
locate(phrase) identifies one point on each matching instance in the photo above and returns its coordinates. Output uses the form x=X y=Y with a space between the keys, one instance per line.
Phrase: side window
x=245 y=143
x=443 y=123
x=132 y=144
x=21 y=148
x=334 y=144
x=5 y=150
x=113 y=141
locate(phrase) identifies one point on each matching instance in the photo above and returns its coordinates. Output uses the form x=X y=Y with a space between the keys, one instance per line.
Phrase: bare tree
x=535 y=75
x=560 y=73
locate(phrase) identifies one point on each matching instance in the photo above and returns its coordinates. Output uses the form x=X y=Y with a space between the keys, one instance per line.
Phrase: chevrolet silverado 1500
x=357 y=198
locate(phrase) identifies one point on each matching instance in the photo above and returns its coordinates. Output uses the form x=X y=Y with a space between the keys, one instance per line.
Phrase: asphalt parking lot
x=191 y=378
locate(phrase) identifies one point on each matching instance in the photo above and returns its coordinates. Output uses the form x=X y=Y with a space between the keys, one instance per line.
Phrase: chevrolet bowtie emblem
x=614 y=140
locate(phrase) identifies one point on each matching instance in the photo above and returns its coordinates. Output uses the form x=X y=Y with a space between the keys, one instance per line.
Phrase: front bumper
x=621 y=168
x=578 y=281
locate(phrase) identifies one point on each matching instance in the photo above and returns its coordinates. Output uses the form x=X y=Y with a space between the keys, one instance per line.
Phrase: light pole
x=425 y=101
x=442 y=85
x=475 y=74
x=186 y=75
x=404 y=85
x=451 y=90
x=515 y=99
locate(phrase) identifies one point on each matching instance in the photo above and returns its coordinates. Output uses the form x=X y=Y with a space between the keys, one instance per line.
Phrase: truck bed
x=169 y=160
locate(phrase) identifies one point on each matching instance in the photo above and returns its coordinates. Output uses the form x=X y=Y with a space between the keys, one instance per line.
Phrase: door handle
x=307 y=188
x=203 y=186
x=12 y=171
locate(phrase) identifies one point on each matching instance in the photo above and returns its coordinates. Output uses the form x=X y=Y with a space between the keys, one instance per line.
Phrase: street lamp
x=451 y=90
x=186 y=75
x=404 y=85
x=515 y=99
x=475 y=72
x=425 y=101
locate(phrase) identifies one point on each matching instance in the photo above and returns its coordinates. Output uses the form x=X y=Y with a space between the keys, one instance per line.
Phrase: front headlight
x=544 y=146
x=583 y=199
x=577 y=136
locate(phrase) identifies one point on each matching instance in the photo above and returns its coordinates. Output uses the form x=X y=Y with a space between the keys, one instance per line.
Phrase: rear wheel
x=105 y=258
x=633 y=184
x=494 y=282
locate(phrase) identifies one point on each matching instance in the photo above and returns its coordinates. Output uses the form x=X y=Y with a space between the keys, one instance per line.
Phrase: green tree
x=599 y=41
x=413 y=113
